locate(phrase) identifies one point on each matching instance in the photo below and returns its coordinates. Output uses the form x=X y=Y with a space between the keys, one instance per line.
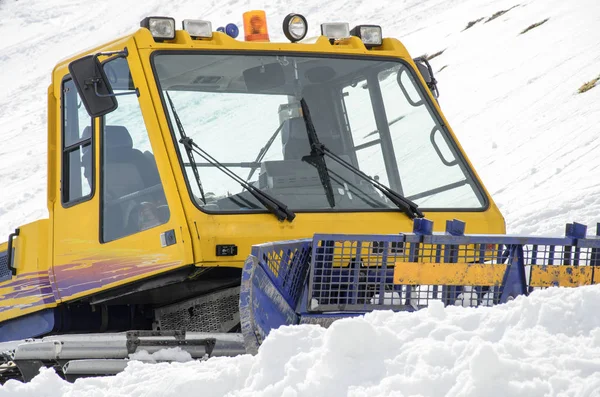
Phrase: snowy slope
x=511 y=98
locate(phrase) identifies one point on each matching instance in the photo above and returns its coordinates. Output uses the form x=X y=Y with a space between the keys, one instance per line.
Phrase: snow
x=511 y=99
x=172 y=354
x=547 y=344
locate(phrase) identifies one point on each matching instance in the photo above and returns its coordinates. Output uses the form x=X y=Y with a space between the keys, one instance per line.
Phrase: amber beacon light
x=255 y=26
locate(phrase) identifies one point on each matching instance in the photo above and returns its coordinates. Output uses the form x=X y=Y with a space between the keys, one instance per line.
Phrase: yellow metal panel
x=564 y=276
x=30 y=290
x=411 y=273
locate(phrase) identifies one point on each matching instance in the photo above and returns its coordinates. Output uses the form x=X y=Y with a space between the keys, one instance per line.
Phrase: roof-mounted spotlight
x=197 y=28
x=295 y=27
x=369 y=34
x=162 y=28
x=335 y=30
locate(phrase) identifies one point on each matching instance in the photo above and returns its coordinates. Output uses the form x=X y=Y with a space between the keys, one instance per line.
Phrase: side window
x=432 y=171
x=365 y=135
x=77 y=175
x=133 y=198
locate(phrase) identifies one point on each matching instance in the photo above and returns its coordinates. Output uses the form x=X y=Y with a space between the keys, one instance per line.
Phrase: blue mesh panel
x=287 y=265
x=349 y=272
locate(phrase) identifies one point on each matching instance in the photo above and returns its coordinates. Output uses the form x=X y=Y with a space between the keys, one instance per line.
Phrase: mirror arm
x=95 y=81
x=123 y=53
x=432 y=85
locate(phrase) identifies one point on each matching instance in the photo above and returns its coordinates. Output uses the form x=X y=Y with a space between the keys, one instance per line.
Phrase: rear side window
x=77 y=151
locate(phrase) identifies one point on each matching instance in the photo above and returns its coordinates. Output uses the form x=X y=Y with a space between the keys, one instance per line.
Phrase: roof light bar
x=162 y=28
x=369 y=34
x=295 y=27
x=197 y=28
x=335 y=30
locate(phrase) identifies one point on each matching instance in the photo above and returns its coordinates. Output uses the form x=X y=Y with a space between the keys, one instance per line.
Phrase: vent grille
x=206 y=79
x=5 y=272
x=217 y=312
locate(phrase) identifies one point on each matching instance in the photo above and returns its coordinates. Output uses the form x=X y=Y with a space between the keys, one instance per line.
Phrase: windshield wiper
x=190 y=154
x=316 y=158
x=319 y=150
x=273 y=205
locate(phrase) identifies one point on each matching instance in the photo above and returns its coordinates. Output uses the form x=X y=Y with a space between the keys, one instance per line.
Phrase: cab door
x=119 y=218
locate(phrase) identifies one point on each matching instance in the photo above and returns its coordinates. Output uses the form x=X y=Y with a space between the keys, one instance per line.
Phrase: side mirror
x=427 y=73
x=93 y=86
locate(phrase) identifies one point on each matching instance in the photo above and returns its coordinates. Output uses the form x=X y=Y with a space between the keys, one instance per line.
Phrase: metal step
x=76 y=369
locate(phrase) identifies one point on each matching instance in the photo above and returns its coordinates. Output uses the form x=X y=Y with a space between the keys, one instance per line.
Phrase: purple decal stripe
x=71 y=279
x=76 y=278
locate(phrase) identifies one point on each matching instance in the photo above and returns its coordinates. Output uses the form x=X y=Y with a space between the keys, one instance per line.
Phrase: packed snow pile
x=171 y=354
x=547 y=344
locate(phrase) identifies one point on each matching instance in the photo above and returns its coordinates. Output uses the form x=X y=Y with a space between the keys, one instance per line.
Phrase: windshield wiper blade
x=316 y=158
x=273 y=205
x=407 y=206
x=190 y=154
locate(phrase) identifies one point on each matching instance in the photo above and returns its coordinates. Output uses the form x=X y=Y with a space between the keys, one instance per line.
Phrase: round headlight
x=295 y=27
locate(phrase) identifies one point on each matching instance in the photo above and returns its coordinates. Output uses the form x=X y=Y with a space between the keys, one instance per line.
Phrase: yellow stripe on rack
x=410 y=273
x=564 y=276
x=483 y=274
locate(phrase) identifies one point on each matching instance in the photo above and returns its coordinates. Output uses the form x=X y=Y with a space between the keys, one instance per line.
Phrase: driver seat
x=126 y=170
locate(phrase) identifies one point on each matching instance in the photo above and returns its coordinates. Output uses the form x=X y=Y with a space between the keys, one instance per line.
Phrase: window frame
x=462 y=157
x=66 y=151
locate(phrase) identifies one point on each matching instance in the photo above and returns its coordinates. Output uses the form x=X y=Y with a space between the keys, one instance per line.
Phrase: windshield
x=245 y=111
